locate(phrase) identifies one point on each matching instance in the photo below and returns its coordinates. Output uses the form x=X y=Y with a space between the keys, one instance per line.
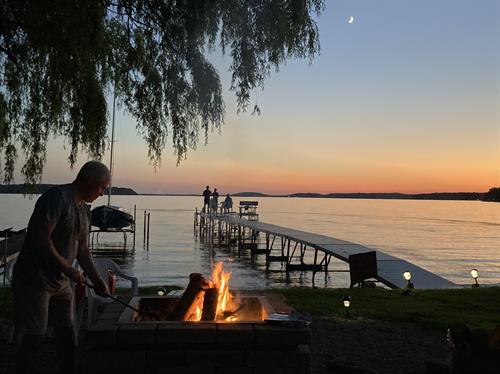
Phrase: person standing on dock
x=215 y=200
x=228 y=204
x=56 y=236
x=206 y=199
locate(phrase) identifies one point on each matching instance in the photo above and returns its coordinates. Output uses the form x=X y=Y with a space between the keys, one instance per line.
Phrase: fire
x=220 y=279
x=198 y=313
x=225 y=301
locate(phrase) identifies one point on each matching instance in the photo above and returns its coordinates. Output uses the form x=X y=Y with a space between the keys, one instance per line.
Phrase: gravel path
x=386 y=348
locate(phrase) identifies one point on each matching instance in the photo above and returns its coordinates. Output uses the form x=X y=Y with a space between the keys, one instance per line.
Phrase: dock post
x=288 y=260
x=5 y=256
x=149 y=222
x=315 y=264
x=135 y=225
x=327 y=262
x=219 y=226
x=195 y=223
x=144 y=229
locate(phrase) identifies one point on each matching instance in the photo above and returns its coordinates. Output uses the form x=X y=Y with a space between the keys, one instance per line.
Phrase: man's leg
x=61 y=318
x=30 y=310
x=66 y=349
x=28 y=353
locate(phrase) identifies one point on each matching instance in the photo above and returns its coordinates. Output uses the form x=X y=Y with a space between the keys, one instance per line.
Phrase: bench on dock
x=248 y=210
x=362 y=266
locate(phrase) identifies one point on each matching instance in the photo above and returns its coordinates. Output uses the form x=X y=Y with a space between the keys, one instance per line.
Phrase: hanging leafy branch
x=60 y=59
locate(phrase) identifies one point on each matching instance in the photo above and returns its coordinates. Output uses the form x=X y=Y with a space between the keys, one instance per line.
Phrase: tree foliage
x=61 y=59
x=492 y=195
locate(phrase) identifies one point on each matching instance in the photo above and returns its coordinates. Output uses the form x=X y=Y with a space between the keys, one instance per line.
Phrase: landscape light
x=347 y=304
x=474 y=274
x=161 y=291
x=409 y=285
x=407 y=277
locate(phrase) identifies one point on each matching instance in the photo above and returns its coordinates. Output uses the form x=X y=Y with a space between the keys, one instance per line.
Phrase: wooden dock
x=289 y=246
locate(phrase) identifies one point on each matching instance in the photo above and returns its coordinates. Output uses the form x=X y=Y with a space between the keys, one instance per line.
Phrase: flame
x=220 y=280
x=197 y=313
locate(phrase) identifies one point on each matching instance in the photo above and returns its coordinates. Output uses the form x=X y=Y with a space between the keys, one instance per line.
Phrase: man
x=43 y=293
x=206 y=199
x=215 y=200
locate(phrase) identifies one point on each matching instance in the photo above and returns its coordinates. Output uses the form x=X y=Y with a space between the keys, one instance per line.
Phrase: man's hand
x=101 y=288
x=75 y=275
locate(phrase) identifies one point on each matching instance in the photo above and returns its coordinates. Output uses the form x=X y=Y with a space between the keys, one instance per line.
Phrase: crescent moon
x=350 y=19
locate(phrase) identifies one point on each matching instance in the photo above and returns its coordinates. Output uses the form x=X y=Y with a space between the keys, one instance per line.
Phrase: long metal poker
x=116 y=299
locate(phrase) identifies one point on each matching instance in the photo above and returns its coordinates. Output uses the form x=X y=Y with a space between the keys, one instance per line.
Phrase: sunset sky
x=406 y=99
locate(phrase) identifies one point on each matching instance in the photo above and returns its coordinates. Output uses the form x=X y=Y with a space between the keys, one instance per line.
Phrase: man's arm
x=43 y=233
x=85 y=260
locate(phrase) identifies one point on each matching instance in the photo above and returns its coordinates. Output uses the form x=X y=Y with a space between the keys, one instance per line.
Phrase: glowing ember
x=198 y=313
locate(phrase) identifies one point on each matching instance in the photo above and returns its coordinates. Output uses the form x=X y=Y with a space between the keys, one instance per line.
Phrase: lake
x=448 y=238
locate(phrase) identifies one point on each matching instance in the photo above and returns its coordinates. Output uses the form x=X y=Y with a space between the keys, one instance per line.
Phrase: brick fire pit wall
x=194 y=347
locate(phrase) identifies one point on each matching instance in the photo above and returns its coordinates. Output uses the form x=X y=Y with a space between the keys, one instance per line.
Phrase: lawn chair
x=94 y=300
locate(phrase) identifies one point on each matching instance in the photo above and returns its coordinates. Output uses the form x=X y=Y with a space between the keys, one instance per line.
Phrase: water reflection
x=445 y=237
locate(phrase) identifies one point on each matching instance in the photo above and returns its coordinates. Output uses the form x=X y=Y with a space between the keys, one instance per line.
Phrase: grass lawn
x=479 y=308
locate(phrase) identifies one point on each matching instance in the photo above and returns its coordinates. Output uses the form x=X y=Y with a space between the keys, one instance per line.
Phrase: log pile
x=200 y=291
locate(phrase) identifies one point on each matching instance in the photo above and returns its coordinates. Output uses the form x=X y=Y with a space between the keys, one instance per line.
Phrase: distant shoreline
x=462 y=196
x=492 y=195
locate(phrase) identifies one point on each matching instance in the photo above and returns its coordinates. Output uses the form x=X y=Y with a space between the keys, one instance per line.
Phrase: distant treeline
x=492 y=195
x=41 y=188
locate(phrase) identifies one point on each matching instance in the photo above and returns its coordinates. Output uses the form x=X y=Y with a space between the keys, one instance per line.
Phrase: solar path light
x=474 y=274
x=347 y=304
x=407 y=277
x=409 y=285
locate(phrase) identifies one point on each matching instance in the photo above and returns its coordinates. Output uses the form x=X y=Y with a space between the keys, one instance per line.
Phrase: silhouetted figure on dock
x=228 y=204
x=206 y=199
x=215 y=200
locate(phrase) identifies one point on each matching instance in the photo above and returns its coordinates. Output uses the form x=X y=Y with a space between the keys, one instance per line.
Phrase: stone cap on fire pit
x=111 y=328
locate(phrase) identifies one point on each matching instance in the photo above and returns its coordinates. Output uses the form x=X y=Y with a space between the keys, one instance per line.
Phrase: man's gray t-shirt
x=71 y=221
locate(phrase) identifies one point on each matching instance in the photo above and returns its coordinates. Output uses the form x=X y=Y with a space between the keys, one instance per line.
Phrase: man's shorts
x=35 y=308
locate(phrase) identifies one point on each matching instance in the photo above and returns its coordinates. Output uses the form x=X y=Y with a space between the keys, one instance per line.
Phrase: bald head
x=93 y=171
x=92 y=180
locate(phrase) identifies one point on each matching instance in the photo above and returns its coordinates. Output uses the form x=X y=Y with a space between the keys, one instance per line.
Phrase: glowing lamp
x=347 y=304
x=409 y=284
x=161 y=291
x=474 y=274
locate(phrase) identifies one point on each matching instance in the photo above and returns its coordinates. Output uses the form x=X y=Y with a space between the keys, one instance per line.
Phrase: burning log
x=210 y=302
x=191 y=300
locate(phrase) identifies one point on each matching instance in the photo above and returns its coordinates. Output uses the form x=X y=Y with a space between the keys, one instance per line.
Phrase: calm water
x=445 y=237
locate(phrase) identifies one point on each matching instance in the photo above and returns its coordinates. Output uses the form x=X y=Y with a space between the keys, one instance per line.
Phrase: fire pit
x=157 y=340
x=253 y=309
